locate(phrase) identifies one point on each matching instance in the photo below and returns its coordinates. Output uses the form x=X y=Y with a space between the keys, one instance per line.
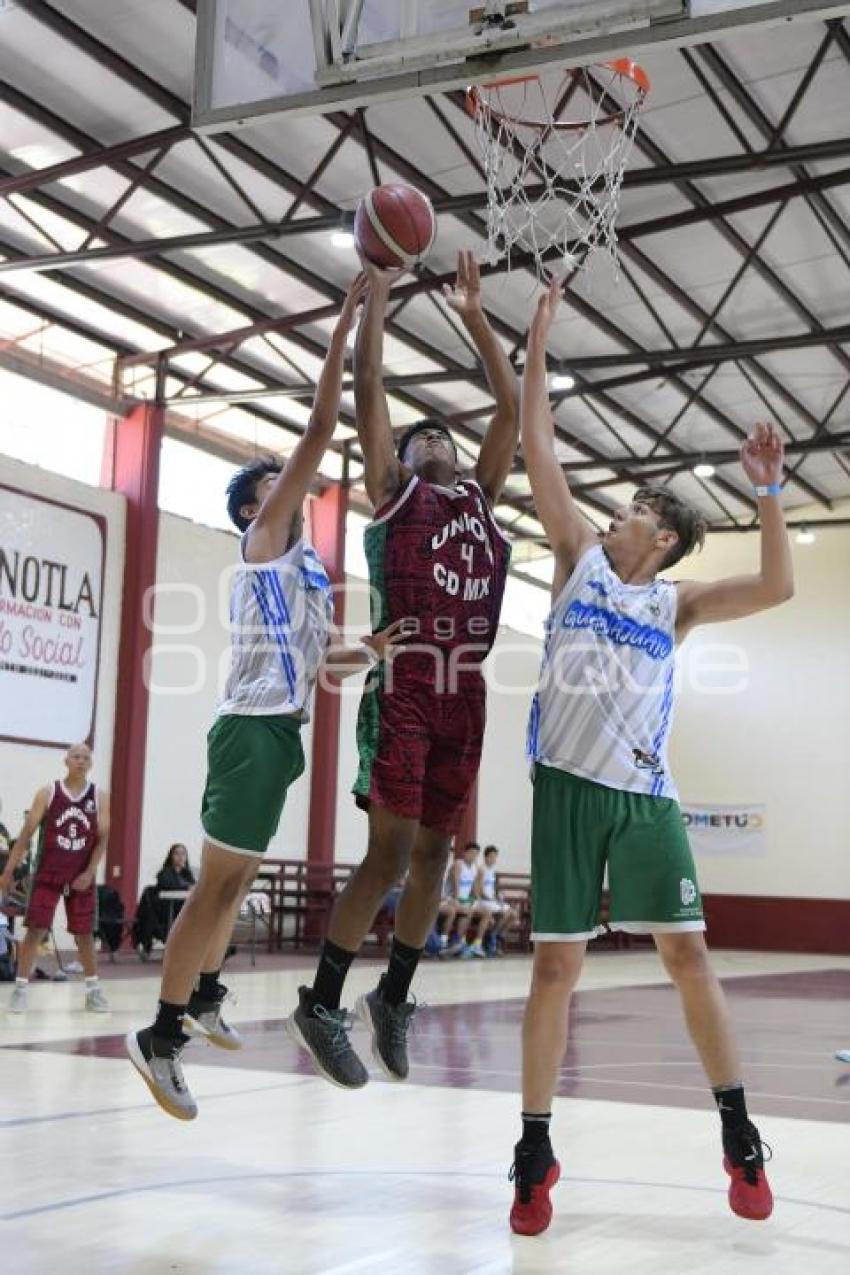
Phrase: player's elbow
x=777 y=592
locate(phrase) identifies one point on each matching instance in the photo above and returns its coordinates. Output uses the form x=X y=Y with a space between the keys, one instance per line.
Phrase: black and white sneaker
x=324 y=1034
x=389 y=1025
x=204 y=1019
x=159 y=1064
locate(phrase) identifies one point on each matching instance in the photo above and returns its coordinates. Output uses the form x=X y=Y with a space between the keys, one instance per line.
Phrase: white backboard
x=273 y=57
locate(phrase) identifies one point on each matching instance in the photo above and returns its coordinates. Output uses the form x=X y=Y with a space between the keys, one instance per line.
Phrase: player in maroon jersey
x=72 y=817
x=437 y=556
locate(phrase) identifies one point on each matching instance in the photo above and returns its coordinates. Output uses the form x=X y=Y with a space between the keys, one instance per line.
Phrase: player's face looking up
x=635 y=531
x=261 y=491
x=431 y=454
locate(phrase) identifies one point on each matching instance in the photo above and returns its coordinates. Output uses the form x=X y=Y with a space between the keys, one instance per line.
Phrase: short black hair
x=490 y=850
x=417 y=427
x=675 y=515
x=242 y=488
x=471 y=845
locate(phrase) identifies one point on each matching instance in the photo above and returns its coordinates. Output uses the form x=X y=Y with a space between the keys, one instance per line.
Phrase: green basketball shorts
x=578 y=827
x=251 y=763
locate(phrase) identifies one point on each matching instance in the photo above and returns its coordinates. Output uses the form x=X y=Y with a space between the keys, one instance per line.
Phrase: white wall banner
x=726 y=829
x=52 y=558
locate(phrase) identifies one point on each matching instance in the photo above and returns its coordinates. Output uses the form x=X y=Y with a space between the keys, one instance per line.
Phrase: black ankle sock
x=334 y=963
x=168 y=1023
x=207 y=988
x=732 y=1105
x=395 y=984
x=535 y=1128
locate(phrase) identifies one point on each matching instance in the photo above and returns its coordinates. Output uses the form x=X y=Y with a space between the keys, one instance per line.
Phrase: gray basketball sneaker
x=159 y=1064
x=324 y=1034
x=204 y=1019
x=389 y=1025
x=96 y=1002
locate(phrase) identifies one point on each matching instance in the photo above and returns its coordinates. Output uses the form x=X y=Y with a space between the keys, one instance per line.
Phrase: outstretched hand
x=385 y=642
x=547 y=308
x=380 y=277
x=763 y=455
x=354 y=298
x=465 y=297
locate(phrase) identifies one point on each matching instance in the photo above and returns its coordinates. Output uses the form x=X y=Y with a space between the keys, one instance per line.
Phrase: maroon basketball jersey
x=68 y=833
x=436 y=555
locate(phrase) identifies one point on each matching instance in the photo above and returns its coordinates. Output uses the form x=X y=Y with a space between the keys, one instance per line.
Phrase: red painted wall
x=766 y=924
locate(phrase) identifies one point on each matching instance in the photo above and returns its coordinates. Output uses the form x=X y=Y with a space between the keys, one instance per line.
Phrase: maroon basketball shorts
x=420 y=749
x=80 y=905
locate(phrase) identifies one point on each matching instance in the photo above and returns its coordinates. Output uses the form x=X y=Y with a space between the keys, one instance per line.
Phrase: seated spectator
x=175 y=873
x=463 y=874
x=502 y=914
x=451 y=917
x=155 y=915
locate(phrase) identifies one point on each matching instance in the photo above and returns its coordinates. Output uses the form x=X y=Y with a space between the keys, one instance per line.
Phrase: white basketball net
x=553 y=187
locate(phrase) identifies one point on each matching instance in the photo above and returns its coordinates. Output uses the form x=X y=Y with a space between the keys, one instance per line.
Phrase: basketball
x=394 y=226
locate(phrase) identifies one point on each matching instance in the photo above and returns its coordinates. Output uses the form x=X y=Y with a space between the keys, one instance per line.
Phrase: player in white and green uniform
x=603 y=793
x=281 y=619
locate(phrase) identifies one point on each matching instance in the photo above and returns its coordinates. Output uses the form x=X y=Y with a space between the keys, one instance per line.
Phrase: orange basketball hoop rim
x=625 y=69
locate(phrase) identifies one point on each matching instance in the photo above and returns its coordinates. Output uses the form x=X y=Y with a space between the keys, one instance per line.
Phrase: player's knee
x=555 y=966
x=385 y=864
x=217 y=892
x=428 y=863
x=686 y=957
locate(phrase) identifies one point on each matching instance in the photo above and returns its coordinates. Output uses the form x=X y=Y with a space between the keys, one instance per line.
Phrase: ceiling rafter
x=239 y=149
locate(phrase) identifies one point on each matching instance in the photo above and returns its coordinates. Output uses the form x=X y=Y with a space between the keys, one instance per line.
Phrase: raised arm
x=568 y=531
x=270 y=532
x=383 y=470
x=499 y=447
x=732 y=598
x=34 y=816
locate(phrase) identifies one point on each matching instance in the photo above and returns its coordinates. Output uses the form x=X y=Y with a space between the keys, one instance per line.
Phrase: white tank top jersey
x=466 y=880
x=488 y=883
x=604 y=705
x=280 y=618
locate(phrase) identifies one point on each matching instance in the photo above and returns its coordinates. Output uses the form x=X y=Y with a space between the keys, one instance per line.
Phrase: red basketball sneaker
x=749 y=1191
x=534 y=1172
